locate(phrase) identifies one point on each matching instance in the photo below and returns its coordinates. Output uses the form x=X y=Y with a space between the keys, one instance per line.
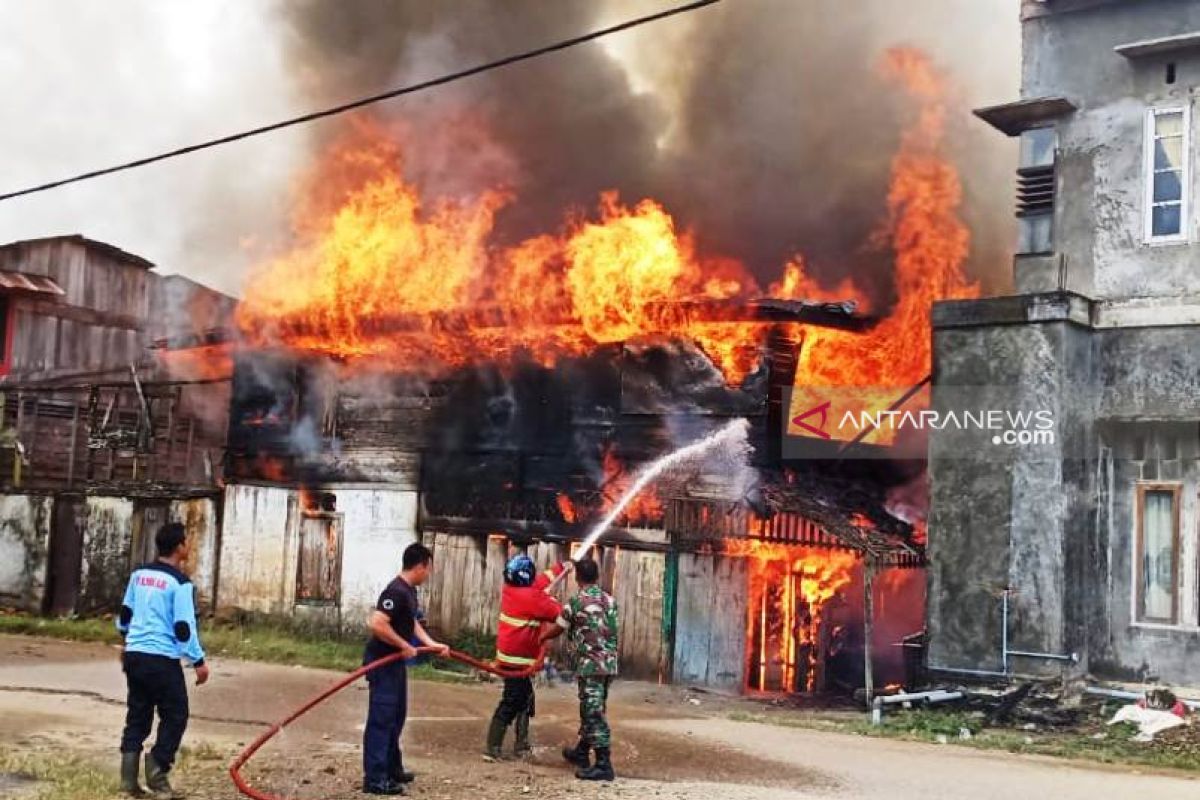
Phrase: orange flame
x=930 y=243
x=380 y=272
x=646 y=508
x=566 y=508
x=789 y=589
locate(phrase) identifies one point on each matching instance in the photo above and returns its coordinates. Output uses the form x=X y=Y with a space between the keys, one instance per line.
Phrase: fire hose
x=243 y=757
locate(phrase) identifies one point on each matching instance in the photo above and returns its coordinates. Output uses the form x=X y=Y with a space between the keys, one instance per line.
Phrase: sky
x=86 y=84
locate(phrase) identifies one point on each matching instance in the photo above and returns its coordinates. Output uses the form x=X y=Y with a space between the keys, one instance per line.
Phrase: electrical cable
x=363 y=101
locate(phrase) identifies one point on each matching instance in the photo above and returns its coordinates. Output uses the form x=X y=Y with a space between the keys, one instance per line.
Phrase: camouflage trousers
x=593 y=705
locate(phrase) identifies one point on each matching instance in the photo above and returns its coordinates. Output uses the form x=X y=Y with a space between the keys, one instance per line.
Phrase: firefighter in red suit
x=524 y=608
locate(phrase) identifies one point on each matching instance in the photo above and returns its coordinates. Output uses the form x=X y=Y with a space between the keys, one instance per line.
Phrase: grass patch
x=253 y=640
x=1099 y=743
x=60 y=776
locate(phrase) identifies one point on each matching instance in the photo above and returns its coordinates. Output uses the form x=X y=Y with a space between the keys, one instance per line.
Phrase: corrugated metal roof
x=37 y=284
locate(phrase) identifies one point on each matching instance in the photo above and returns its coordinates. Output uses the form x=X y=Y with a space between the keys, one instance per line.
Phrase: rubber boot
x=131 y=765
x=602 y=771
x=522 y=747
x=403 y=776
x=495 y=740
x=578 y=756
x=156 y=781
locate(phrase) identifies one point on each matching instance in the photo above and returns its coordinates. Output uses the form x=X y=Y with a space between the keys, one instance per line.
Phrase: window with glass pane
x=1158 y=549
x=1168 y=174
x=1035 y=191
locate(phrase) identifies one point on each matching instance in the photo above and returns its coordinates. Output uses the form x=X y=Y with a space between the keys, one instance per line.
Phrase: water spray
x=732 y=437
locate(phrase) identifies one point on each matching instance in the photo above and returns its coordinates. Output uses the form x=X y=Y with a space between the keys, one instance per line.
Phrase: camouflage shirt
x=590 y=620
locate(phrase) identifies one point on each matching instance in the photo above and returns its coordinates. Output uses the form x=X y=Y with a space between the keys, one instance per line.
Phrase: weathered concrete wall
x=259 y=541
x=379 y=524
x=107 y=553
x=1009 y=520
x=24 y=549
x=199 y=517
x=1059 y=528
x=260 y=548
x=1100 y=196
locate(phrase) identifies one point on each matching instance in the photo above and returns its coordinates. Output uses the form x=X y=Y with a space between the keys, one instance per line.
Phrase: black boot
x=156 y=780
x=402 y=776
x=578 y=756
x=603 y=770
x=493 y=750
x=522 y=747
x=130 y=767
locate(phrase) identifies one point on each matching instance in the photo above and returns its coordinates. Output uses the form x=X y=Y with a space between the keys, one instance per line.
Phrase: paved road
x=867 y=769
x=71 y=694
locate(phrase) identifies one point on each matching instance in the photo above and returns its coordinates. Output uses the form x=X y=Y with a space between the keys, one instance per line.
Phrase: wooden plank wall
x=710 y=622
x=52 y=425
x=457 y=594
x=98 y=325
x=463 y=594
x=638 y=589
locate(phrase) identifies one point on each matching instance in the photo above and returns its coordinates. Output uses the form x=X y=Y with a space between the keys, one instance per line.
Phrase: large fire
x=790 y=588
x=646 y=508
x=930 y=242
x=380 y=272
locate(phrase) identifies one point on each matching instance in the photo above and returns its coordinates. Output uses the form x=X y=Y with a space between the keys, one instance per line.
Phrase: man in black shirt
x=393 y=625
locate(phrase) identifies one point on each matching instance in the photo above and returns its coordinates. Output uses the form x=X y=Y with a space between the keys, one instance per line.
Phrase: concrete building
x=1083 y=553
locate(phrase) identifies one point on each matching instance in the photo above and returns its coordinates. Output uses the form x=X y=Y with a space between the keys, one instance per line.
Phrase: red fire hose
x=239 y=762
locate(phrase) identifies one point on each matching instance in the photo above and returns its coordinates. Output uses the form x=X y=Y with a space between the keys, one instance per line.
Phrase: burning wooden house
x=403 y=374
x=755 y=579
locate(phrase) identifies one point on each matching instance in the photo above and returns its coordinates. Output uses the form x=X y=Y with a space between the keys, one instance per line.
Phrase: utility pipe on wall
x=935 y=696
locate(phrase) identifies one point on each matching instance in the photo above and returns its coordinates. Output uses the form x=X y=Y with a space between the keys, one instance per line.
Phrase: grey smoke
x=760 y=123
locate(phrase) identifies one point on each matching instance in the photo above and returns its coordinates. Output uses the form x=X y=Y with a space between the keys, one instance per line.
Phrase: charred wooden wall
x=103 y=435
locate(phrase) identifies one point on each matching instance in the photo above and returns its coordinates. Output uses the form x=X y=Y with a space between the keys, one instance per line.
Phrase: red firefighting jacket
x=523 y=609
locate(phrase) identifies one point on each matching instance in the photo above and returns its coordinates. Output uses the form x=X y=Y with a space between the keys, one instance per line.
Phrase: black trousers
x=387 y=710
x=516 y=699
x=155 y=683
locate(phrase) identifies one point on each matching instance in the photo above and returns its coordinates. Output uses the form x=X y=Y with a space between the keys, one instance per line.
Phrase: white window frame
x=1185 y=179
x=1179 y=583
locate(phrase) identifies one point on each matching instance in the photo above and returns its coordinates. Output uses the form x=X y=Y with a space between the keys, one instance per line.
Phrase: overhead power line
x=364 y=101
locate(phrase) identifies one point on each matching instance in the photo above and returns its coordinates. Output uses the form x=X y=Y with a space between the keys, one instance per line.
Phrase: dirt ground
x=57 y=695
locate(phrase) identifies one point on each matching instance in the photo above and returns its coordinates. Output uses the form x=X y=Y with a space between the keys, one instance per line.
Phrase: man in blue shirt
x=158 y=621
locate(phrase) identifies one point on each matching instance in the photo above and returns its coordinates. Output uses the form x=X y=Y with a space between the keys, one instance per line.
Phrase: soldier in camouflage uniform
x=590 y=620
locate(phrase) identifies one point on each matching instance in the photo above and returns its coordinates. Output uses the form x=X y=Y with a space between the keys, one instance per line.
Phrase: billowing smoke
x=762 y=124
x=759 y=122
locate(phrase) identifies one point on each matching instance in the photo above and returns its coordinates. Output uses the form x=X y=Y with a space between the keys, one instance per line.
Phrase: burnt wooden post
x=191 y=441
x=93 y=403
x=869 y=568
x=33 y=435
x=171 y=434
x=112 y=450
x=16 y=470
x=74 y=442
